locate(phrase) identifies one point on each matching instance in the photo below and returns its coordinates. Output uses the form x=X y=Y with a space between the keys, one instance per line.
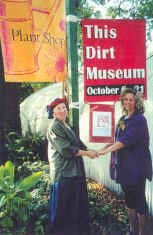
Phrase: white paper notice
x=102 y=124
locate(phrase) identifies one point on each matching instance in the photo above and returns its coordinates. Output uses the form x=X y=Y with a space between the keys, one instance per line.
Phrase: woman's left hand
x=102 y=151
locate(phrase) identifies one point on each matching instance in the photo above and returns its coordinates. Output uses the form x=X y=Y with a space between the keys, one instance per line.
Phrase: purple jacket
x=133 y=162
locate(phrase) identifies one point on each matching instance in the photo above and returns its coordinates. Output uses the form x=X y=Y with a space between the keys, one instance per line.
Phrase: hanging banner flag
x=114 y=55
x=33 y=40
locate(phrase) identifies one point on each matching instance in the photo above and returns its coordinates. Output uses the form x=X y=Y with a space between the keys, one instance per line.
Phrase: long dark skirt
x=69 y=206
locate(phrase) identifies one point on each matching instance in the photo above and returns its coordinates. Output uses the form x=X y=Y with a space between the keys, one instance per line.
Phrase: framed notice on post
x=101 y=123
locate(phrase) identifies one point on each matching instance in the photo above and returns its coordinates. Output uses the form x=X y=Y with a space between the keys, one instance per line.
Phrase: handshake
x=92 y=153
x=96 y=153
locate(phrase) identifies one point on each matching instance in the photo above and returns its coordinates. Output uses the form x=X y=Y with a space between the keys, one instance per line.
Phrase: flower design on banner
x=37 y=30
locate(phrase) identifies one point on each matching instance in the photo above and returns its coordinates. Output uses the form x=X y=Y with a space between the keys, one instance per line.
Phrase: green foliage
x=86 y=11
x=107 y=210
x=24 y=148
x=15 y=197
x=26 y=89
x=39 y=210
x=98 y=211
x=138 y=9
x=39 y=85
x=143 y=9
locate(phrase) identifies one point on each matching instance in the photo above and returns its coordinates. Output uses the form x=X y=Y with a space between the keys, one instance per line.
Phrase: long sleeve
x=62 y=141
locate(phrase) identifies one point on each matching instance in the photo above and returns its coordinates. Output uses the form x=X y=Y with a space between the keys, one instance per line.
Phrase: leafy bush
x=30 y=147
x=15 y=198
x=107 y=210
x=38 y=210
x=98 y=211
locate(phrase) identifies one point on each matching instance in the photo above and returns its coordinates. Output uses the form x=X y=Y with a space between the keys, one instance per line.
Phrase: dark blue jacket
x=134 y=160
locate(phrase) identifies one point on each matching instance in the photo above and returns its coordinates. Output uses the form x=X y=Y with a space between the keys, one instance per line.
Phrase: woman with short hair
x=68 y=197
